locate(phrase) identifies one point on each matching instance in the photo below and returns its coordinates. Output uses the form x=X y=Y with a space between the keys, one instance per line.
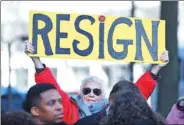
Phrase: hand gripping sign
x=96 y=37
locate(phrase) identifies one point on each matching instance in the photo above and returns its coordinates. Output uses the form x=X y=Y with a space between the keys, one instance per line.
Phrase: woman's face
x=91 y=92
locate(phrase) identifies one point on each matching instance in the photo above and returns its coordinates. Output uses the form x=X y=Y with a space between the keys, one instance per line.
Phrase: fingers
x=29 y=48
x=165 y=56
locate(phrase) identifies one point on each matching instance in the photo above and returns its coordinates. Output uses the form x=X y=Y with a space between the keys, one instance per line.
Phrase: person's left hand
x=164 y=58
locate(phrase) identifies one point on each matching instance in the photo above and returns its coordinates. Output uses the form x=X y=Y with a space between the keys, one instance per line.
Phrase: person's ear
x=35 y=111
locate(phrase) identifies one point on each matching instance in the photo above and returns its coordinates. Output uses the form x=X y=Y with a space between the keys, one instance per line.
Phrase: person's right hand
x=36 y=60
x=29 y=47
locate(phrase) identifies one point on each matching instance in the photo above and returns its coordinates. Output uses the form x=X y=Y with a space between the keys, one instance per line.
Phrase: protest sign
x=96 y=37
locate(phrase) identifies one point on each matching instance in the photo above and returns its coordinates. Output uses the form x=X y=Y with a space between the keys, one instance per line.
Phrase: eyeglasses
x=96 y=91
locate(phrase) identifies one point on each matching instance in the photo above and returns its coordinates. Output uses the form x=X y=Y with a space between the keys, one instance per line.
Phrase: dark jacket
x=92 y=119
x=95 y=119
x=89 y=120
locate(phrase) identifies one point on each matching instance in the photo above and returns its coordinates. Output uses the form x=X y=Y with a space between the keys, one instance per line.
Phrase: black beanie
x=34 y=92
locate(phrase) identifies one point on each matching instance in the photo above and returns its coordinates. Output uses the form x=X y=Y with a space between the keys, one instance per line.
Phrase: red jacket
x=146 y=84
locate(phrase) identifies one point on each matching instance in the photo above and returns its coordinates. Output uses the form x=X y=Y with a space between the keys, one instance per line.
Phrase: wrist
x=35 y=59
x=155 y=69
x=37 y=62
x=157 y=66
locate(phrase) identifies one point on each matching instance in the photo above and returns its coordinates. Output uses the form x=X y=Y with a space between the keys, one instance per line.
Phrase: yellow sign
x=96 y=37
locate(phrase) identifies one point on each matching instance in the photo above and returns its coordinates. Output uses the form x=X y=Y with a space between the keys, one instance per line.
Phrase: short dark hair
x=33 y=97
x=17 y=118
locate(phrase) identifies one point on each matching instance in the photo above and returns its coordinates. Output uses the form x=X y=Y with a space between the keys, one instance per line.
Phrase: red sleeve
x=46 y=77
x=146 y=84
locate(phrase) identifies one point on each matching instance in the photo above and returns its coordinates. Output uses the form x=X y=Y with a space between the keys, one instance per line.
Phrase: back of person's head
x=128 y=106
x=44 y=103
x=124 y=86
x=17 y=118
x=33 y=97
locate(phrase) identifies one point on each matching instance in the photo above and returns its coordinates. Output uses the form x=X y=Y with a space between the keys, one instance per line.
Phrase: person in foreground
x=120 y=100
x=129 y=107
x=43 y=102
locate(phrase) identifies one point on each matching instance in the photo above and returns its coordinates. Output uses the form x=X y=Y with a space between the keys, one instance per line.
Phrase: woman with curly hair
x=129 y=107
